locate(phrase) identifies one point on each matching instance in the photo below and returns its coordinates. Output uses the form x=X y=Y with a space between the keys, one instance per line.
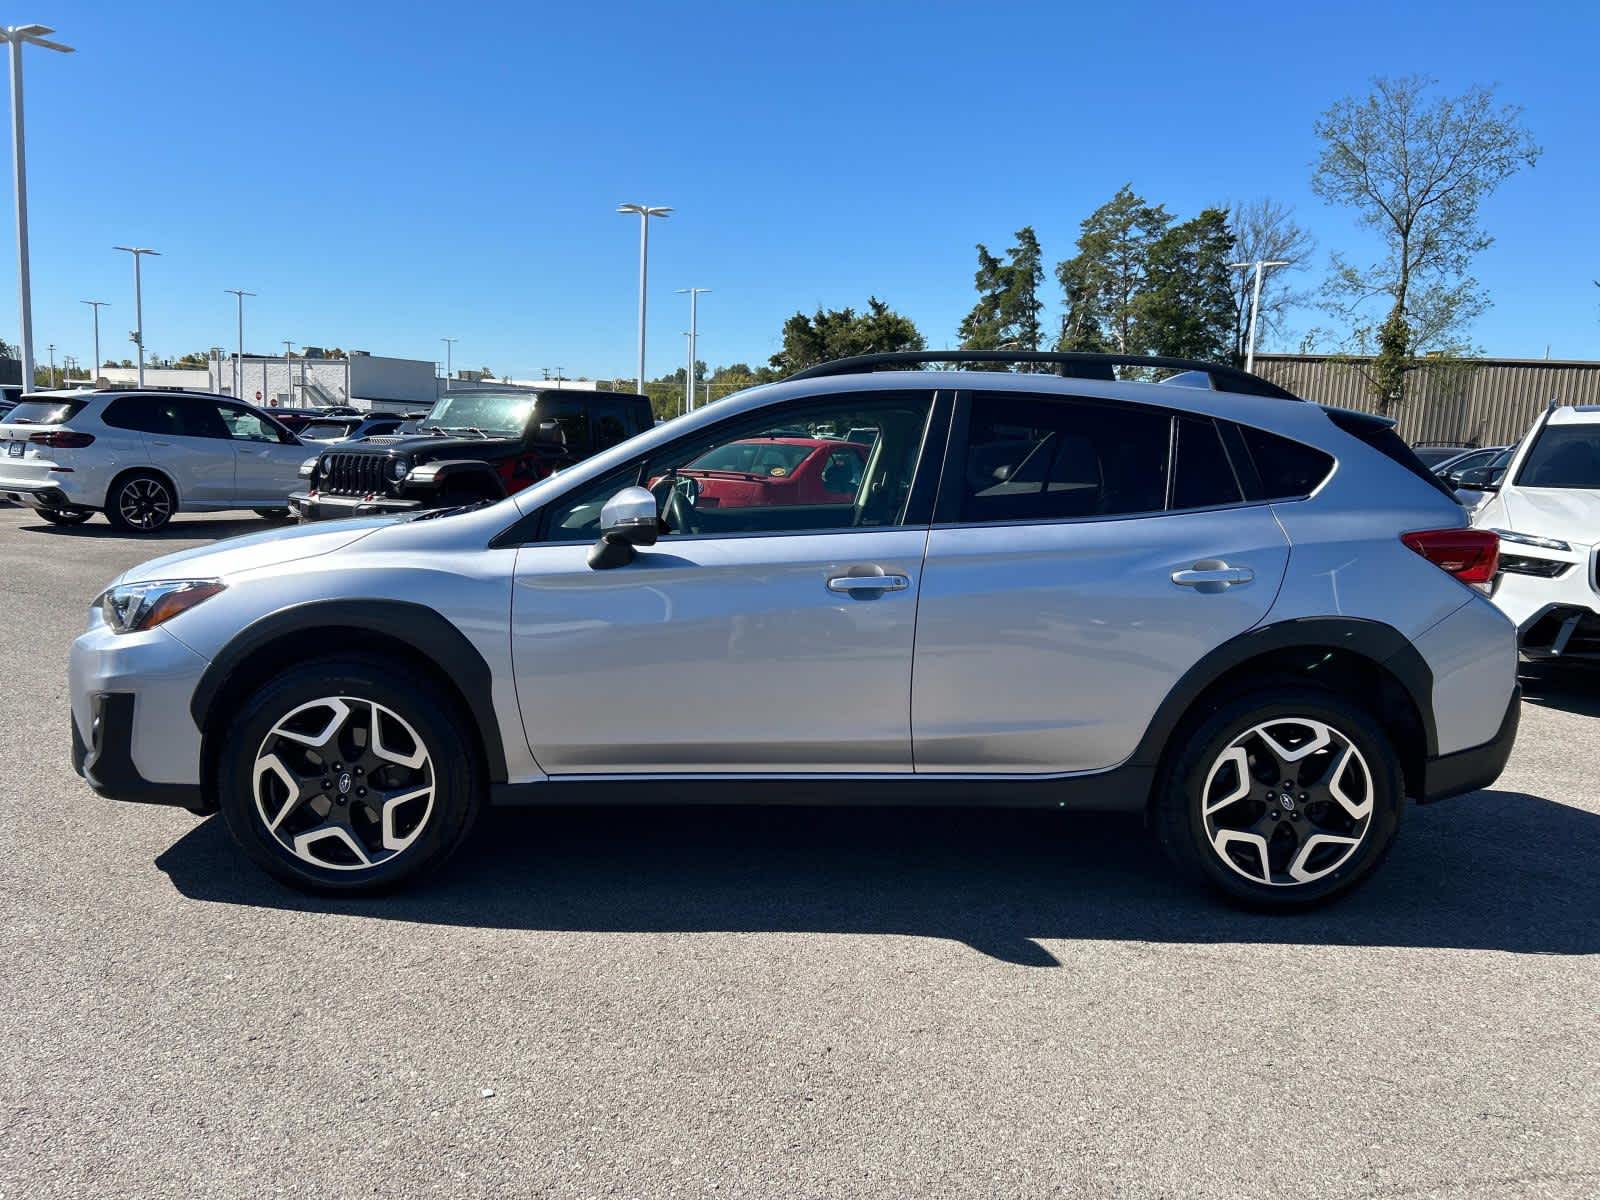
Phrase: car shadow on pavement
x=179 y=531
x=1493 y=871
x=1570 y=687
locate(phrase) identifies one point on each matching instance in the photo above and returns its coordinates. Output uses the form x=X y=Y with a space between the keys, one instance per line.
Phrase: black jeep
x=472 y=446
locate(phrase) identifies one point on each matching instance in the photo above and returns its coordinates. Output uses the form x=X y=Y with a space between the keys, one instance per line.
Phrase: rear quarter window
x=1288 y=469
x=44 y=412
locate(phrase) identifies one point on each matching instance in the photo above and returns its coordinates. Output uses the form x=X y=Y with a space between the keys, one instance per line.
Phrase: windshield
x=476 y=410
x=752 y=458
x=319 y=430
x=1565 y=456
x=43 y=412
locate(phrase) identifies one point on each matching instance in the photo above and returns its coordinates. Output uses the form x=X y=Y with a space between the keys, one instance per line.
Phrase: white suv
x=1546 y=509
x=141 y=456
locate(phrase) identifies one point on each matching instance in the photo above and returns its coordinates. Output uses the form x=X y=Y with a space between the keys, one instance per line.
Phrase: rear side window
x=1032 y=459
x=1202 y=476
x=44 y=412
x=143 y=414
x=1288 y=469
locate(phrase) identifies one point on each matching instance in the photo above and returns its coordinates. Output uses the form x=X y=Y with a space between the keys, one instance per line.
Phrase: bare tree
x=1416 y=169
x=1265 y=230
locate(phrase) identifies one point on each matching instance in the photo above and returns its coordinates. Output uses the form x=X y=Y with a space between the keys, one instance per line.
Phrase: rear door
x=188 y=441
x=1084 y=555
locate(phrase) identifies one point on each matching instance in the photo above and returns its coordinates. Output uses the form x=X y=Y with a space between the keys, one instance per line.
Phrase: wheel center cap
x=1286 y=802
x=345 y=782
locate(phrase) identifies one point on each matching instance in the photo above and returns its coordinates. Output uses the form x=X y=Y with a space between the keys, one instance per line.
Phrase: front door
x=266 y=467
x=1084 y=557
x=760 y=634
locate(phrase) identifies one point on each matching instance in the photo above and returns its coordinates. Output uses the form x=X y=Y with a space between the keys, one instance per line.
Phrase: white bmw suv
x=1546 y=509
x=139 y=457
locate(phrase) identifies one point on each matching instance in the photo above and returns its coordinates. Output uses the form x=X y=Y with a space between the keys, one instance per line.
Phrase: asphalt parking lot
x=779 y=1003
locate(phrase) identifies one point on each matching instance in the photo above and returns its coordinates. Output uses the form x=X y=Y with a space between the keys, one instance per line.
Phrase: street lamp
x=694 y=295
x=645 y=211
x=449 y=350
x=52 y=364
x=1260 y=266
x=96 y=305
x=18 y=36
x=138 y=301
x=238 y=362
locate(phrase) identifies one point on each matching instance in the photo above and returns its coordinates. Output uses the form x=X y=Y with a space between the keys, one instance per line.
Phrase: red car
x=765 y=471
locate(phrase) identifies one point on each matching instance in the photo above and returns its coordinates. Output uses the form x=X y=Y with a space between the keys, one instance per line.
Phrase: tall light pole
x=645 y=211
x=449 y=350
x=52 y=364
x=1260 y=266
x=238 y=362
x=138 y=301
x=288 y=368
x=18 y=36
x=96 y=305
x=694 y=295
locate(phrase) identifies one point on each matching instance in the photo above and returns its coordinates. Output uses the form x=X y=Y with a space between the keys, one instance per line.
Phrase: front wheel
x=348 y=775
x=1282 y=799
x=65 y=516
x=273 y=514
x=140 y=503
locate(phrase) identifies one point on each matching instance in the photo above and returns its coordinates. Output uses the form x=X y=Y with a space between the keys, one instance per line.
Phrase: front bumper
x=323 y=506
x=1468 y=770
x=105 y=758
x=1556 y=616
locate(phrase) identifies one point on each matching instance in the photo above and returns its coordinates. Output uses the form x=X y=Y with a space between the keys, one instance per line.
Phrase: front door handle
x=869 y=583
x=1212 y=575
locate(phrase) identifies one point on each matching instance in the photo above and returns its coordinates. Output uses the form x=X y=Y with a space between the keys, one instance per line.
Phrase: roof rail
x=1068 y=365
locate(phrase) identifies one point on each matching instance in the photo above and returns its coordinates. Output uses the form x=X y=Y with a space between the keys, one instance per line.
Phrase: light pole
x=645 y=211
x=238 y=362
x=288 y=368
x=138 y=301
x=1260 y=266
x=52 y=364
x=18 y=36
x=96 y=305
x=449 y=350
x=694 y=295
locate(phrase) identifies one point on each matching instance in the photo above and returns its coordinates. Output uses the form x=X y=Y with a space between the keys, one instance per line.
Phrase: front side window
x=773 y=473
x=1565 y=456
x=246 y=426
x=1035 y=459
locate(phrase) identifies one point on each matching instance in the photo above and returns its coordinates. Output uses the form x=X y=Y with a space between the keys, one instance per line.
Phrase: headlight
x=1527 y=539
x=309 y=467
x=130 y=607
x=399 y=469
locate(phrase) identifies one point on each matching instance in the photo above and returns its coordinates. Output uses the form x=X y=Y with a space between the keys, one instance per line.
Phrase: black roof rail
x=1068 y=365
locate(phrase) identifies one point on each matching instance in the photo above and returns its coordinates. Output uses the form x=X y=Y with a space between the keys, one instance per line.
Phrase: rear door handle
x=1212 y=575
x=869 y=583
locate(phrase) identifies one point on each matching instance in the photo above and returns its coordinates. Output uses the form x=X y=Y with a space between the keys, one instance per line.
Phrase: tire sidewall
x=1183 y=823
x=457 y=787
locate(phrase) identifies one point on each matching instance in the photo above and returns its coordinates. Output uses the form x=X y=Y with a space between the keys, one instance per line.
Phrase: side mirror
x=627 y=520
x=1480 y=479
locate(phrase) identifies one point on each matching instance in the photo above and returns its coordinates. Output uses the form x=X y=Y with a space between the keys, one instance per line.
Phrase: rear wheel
x=1282 y=799
x=65 y=516
x=142 y=502
x=348 y=775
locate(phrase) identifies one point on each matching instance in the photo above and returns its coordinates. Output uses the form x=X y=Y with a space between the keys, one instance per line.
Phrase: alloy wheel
x=1287 y=802
x=343 y=783
x=144 y=504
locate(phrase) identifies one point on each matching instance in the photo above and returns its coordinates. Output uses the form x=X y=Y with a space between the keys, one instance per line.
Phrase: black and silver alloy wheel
x=1281 y=797
x=343 y=783
x=142 y=503
x=1287 y=802
x=348 y=773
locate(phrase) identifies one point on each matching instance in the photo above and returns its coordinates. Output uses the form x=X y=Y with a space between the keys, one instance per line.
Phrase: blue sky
x=382 y=181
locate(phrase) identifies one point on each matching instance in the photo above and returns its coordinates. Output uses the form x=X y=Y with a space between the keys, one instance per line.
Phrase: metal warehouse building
x=1489 y=401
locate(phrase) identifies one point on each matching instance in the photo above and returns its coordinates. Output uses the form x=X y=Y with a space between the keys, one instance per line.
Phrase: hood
x=267 y=549
x=1571 y=514
x=423 y=445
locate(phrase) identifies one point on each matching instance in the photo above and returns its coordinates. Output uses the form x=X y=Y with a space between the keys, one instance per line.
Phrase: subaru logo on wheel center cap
x=1286 y=801
x=345 y=781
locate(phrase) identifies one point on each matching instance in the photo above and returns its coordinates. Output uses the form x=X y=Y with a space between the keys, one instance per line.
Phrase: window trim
x=530 y=529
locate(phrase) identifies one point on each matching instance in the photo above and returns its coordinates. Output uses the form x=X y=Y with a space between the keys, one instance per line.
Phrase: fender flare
x=1381 y=644
x=438 y=476
x=420 y=627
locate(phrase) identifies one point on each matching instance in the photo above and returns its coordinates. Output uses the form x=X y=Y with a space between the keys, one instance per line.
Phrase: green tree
x=1415 y=167
x=842 y=332
x=1008 y=309
x=195 y=358
x=1186 y=308
x=1103 y=281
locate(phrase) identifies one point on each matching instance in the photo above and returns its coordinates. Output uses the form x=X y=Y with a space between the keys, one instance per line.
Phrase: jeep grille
x=353 y=474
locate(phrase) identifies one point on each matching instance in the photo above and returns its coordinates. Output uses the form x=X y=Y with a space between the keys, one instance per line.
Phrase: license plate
x=14 y=449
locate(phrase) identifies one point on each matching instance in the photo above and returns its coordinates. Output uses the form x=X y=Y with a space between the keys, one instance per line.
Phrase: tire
x=140 y=502
x=65 y=516
x=272 y=514
x=330 y=839
x=1214 y=812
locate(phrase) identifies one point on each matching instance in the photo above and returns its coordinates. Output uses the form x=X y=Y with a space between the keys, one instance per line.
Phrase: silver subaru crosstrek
x=1252 y=619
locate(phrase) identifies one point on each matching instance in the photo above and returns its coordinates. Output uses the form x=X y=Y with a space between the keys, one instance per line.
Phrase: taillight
x=1471 y=555
x=62 y=439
